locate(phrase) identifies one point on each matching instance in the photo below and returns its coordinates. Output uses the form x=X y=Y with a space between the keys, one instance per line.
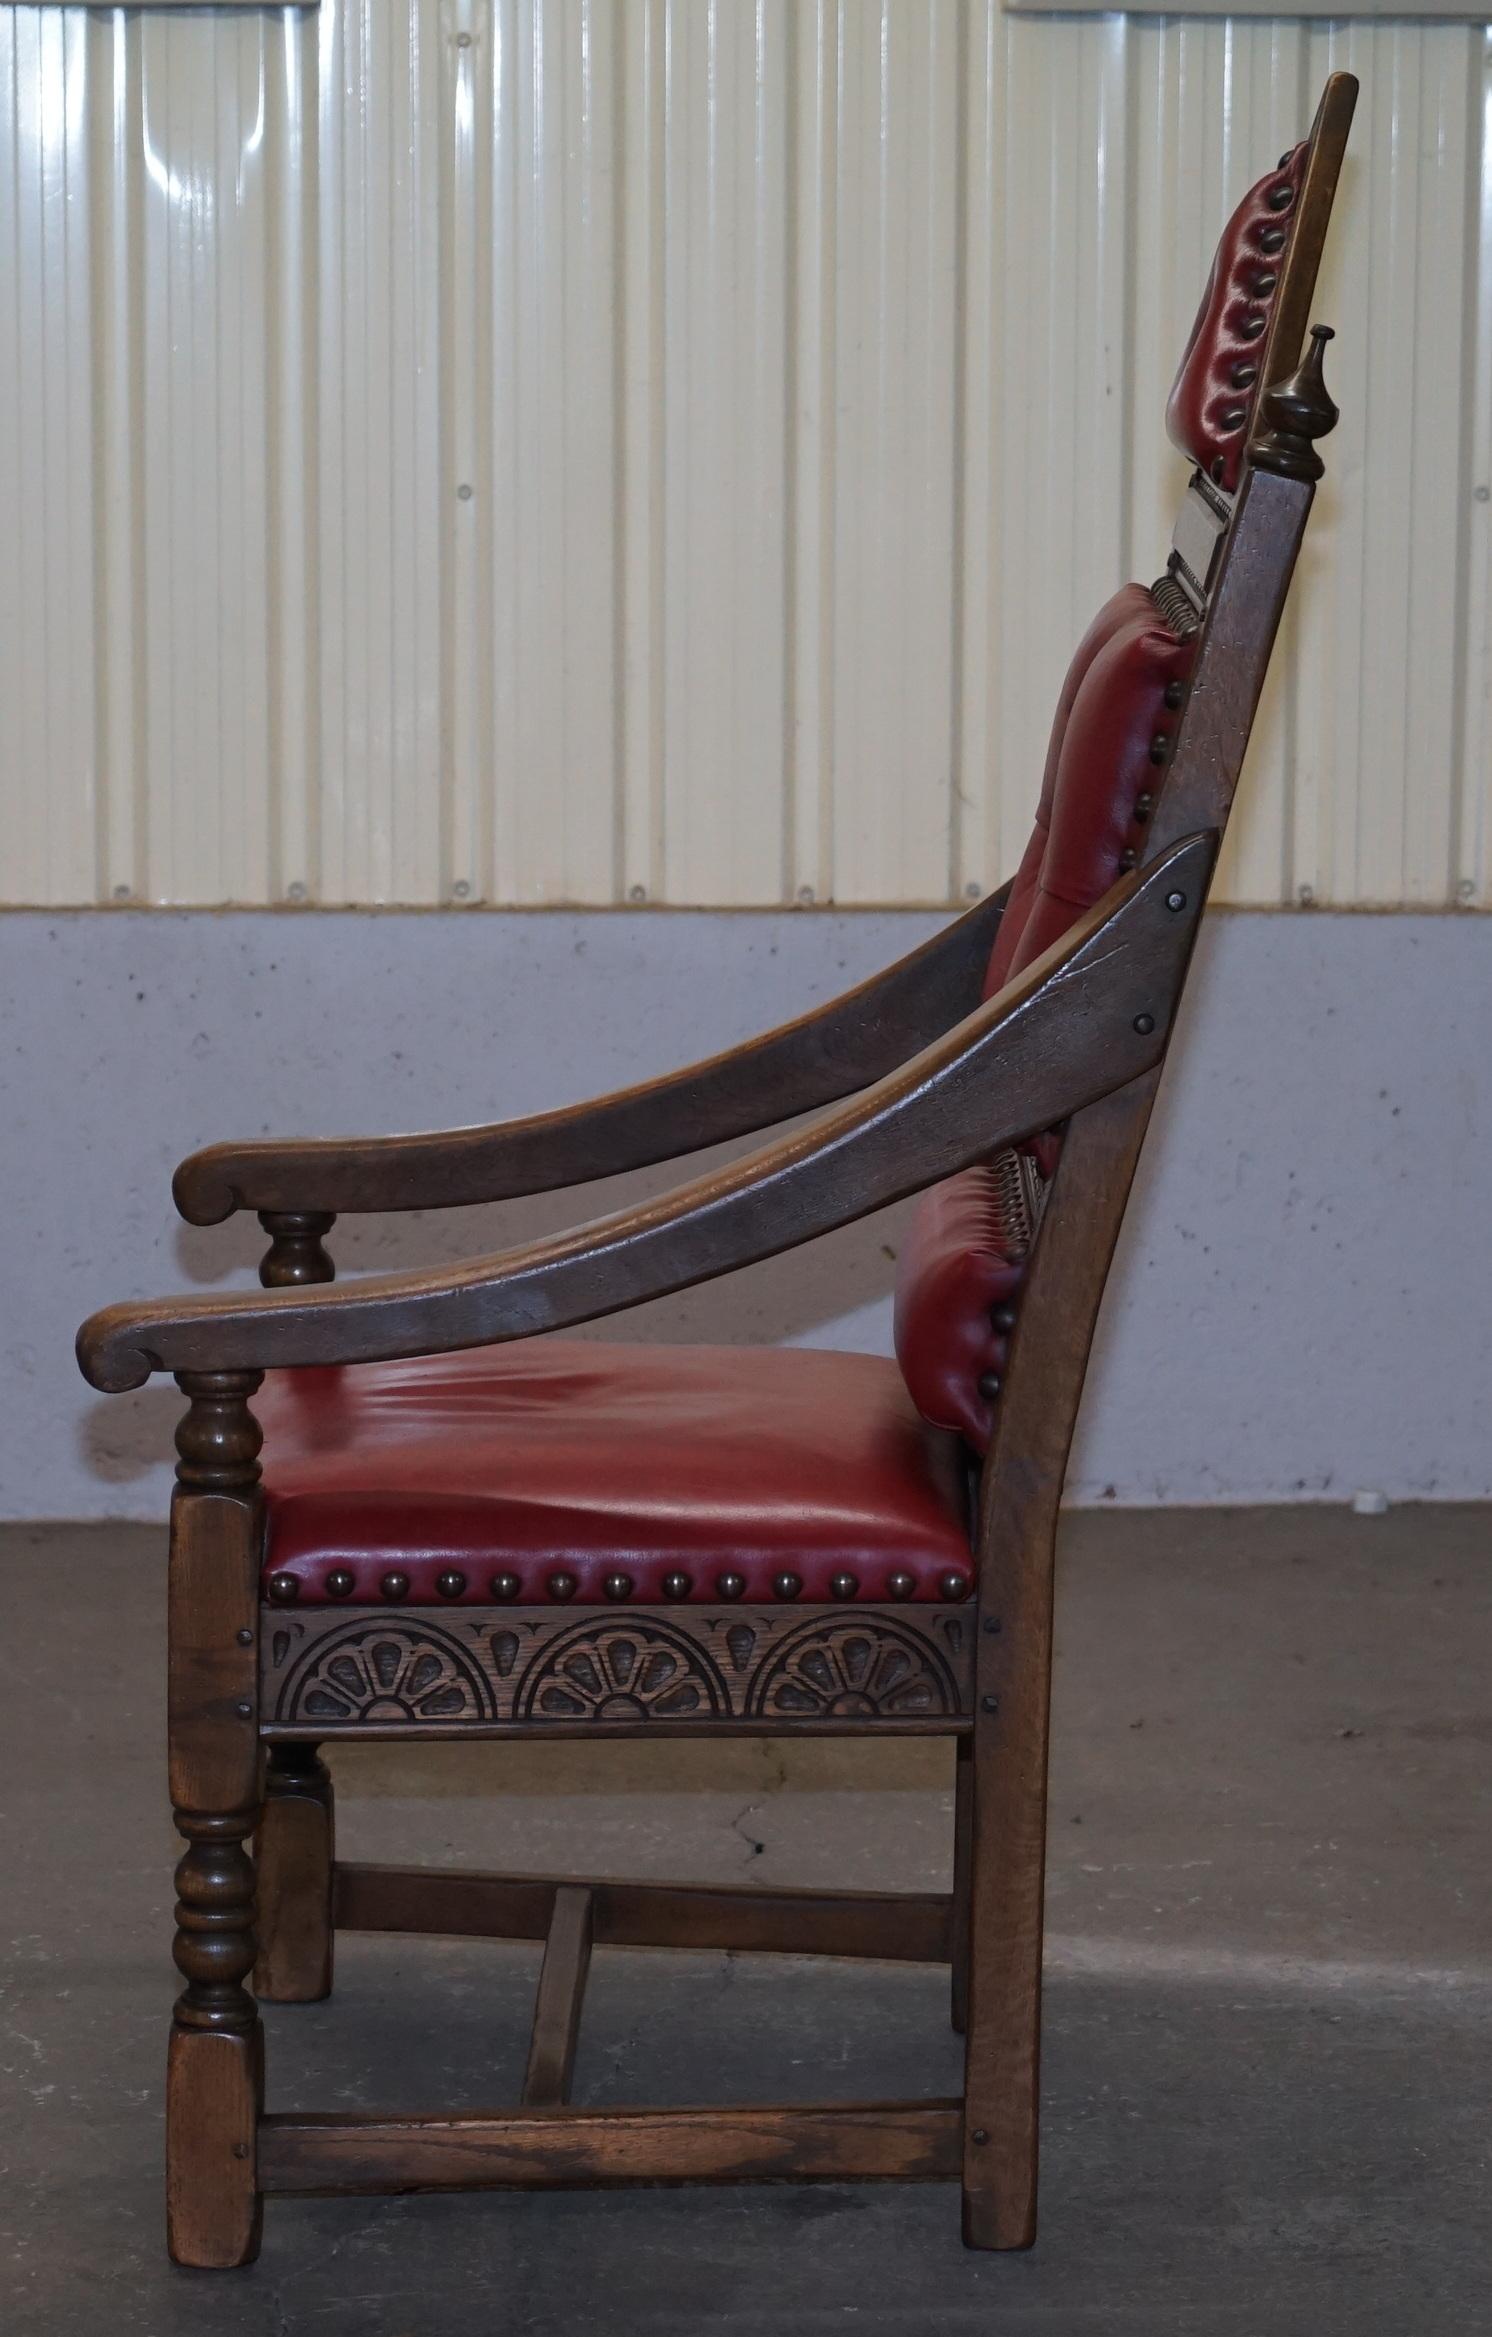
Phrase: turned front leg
x=214 y=2085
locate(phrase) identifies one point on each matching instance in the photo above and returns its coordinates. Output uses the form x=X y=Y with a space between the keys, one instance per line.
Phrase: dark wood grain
x=904 y=1927
x=214 y=2077
x=294 y=1850
x=557 y=2007
x=895 y=2142
x=1062 y=1033
x=1302 y=258
x=1020 y=1501
x=817 y=1059
x=332 y=1671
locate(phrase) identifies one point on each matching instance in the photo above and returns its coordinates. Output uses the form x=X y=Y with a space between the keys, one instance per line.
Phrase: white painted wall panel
x=597 y=450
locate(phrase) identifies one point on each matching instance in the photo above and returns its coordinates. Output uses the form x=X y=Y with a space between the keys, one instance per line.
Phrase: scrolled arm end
x=110 y=1354
x=203 y=1189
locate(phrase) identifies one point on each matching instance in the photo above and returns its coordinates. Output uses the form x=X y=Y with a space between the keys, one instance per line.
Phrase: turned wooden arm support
x=1088 y=1017
x=821 y=1057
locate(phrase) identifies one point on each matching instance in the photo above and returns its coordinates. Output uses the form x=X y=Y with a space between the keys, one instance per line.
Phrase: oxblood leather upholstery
x=1212 y=399
x=585 y=1459
x=960 y=1267
x=1109 y=739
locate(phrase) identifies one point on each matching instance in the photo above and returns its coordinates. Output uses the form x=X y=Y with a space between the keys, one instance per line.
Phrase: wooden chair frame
x=913 y=1079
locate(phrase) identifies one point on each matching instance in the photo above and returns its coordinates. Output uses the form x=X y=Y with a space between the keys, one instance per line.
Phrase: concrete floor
x=1269 y=2004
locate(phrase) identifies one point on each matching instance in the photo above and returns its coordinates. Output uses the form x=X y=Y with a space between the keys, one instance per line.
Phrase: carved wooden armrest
x=1088 y=1017
x=815 y=1060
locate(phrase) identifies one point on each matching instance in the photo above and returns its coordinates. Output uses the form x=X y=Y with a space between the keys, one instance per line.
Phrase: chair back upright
x=1148 y=737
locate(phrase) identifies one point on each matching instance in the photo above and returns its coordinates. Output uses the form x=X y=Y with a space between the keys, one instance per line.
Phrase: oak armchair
x=455 y=1532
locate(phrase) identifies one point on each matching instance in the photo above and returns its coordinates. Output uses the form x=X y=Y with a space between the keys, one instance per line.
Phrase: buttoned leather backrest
x=961 y=1267
x=1211 y=406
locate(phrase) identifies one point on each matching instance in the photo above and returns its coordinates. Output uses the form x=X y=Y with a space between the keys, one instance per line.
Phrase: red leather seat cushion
x=1211 y=406
x=582 y=1458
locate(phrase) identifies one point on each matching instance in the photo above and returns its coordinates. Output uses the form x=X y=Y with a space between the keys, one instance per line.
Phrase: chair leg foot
x=294 y=1853
x=213 y=2208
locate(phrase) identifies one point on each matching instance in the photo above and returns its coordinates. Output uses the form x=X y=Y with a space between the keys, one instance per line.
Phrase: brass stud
x=677 y=1586
x=1272 y=239
x=786 y=1585
x=1160 y=746
x=1129 y=860
x=245 y=1637
x=395 y=1585
x=562 y=1585
x=730 y=1586
x=451 y=1583
x=1144 y=806
x=1175 y=902
x=1280 y=198
x=993 y=1626
x=953 y=1587
x=1144 y=1024
x=1175 y=692
x=844 y=1586
x=1252 y=326
x=505 y=1587
x=284 y=1589
x=1003 y=1318
x=901 y=1586
x=989 y=1703
x=1264 y=283
x=981 y=2135
x=1217 y=467
x=618 y=1587
x=341 y=1583
x=989 y=1385
x=1235 y=417
x=1244 y=374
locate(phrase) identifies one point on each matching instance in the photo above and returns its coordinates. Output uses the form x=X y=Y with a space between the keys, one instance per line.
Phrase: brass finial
x=1295 y=412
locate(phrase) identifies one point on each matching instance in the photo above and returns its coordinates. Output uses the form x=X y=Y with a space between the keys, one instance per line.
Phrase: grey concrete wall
x=1303 y=1305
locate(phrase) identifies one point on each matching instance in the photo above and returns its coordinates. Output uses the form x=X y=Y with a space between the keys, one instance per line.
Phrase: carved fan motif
x=853 y=1670
x=389 y=1672
x=621 y=1671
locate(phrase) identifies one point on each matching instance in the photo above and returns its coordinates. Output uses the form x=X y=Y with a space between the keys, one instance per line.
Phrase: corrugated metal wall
x=530 y=450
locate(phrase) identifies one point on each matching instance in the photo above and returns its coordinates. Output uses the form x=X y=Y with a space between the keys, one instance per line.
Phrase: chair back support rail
x=915 y=1078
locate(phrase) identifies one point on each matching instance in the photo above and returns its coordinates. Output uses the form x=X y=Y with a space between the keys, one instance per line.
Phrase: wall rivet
x=637 y=892
x=295 y=891
x=463 y=40
x=122 y=892
x=1144 y=1024
x=461 y=890
x=463 y=493
x=989 y=1703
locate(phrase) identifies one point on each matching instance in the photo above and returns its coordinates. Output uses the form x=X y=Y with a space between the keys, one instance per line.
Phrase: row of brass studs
x=284 y=1589
x=1160 y=748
